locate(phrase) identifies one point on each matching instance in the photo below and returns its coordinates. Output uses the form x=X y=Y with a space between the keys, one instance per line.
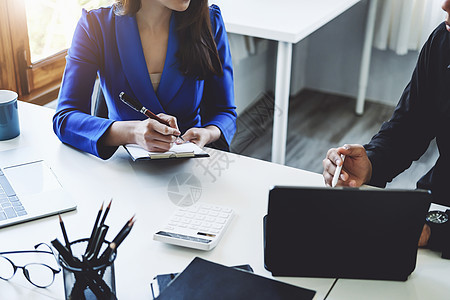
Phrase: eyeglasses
x=38 y=274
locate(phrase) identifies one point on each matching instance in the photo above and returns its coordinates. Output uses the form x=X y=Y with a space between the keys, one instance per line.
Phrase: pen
x=66 y=239
x=136 y=105
x=337 y=172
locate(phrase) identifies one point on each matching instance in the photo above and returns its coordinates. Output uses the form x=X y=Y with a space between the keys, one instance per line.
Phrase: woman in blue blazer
x=171 y=55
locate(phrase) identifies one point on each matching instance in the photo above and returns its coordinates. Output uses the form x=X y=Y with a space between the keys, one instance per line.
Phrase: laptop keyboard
x=10 y=205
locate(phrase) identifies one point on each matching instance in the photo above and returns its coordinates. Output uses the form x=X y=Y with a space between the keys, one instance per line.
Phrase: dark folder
x=203 y=279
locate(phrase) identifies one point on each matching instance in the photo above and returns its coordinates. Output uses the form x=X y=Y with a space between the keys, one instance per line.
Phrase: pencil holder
x=88 y=279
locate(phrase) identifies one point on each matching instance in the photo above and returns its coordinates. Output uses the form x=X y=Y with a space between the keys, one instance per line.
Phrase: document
x=185 y=150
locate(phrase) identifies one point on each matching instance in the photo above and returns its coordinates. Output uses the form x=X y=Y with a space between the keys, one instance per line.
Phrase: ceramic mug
x=9 y=116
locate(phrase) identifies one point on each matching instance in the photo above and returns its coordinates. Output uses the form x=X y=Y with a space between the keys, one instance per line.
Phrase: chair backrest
x=100 y=108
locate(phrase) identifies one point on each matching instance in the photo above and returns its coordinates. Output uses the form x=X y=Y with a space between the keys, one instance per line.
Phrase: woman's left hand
x=202 y=136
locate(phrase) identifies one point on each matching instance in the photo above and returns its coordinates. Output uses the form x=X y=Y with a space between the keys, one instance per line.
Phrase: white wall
x=334 y=56
x=329 y=61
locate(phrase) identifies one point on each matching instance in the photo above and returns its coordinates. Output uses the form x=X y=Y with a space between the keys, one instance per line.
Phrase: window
x=34 y=37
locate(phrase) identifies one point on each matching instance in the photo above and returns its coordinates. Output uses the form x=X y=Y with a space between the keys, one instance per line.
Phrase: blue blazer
x=110 y=46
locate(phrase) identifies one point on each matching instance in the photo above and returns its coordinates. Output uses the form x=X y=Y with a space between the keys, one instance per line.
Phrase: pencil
x=105 y=214
x=94 y=229
x=63 y=229
x=98 y=231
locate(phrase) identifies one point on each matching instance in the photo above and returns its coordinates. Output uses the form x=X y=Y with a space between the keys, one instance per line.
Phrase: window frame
x=36 y=82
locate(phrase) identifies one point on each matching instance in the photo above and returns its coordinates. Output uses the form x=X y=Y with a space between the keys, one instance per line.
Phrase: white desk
x=288 y=22
x=141 y=188
x=430 y=280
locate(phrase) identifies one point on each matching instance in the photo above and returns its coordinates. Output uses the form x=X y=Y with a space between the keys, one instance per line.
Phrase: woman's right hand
x=357 y=168
x=149 y=134
x=155 y=136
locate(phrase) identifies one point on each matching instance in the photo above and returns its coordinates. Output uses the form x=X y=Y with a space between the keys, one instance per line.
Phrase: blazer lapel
x=133 y=62
x=172 y=78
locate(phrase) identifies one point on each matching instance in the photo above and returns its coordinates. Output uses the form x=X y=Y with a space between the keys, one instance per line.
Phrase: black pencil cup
x=88 y=279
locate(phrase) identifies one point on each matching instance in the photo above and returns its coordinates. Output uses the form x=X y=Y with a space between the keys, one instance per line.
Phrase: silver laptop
x=30 y=191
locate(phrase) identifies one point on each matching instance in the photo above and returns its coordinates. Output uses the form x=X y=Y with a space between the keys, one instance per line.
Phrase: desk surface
x=239 y=182
x=142 y=188
x=282 y=20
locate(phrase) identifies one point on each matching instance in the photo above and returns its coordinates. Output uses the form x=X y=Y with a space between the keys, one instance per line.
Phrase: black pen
x=136 y=105
x=66 y=239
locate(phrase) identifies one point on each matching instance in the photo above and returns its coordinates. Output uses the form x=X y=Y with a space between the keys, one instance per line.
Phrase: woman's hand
x=357 y=168
x=154 y=136
x=202 y=136
x=149 y=134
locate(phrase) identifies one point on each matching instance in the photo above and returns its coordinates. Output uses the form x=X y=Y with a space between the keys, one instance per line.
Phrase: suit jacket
x=422 y=114
x=110 y=46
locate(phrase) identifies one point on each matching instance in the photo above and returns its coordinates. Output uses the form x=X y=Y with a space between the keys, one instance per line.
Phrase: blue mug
x=9 y=116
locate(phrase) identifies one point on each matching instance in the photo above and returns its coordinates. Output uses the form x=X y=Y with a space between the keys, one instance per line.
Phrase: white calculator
x=199 y=226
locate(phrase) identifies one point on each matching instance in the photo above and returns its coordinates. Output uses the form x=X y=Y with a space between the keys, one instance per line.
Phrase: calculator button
x=210 y=219
x=216 y=226
x=193 y=209
x=189 y=215
x=206 y=224
x=221 y=220
x=224 y=215
x=203 y=211
x=213 y=213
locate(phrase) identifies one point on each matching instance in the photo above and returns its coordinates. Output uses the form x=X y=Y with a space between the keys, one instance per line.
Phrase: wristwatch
x=440 y=231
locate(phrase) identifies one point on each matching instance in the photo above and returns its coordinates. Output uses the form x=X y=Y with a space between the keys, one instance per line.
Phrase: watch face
x=437 y=217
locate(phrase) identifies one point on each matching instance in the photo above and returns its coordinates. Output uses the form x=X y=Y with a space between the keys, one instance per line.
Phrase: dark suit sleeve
x=406 y=136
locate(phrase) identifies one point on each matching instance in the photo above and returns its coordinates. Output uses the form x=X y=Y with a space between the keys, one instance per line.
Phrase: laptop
x=344 y=232
x=30 y=191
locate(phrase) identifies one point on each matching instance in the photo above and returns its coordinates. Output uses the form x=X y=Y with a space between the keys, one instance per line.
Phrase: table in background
x=288 y=22
x=227 y=179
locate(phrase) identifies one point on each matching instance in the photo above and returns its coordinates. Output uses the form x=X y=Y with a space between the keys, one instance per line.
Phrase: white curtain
x=403 y=25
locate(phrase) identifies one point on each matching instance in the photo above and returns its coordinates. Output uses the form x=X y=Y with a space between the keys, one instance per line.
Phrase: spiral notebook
x=186 y=150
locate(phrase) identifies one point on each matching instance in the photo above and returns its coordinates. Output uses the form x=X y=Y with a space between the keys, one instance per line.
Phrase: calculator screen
x=184 y=237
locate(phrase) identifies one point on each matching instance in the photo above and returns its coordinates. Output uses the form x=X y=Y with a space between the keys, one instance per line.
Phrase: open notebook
x=185 y=150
